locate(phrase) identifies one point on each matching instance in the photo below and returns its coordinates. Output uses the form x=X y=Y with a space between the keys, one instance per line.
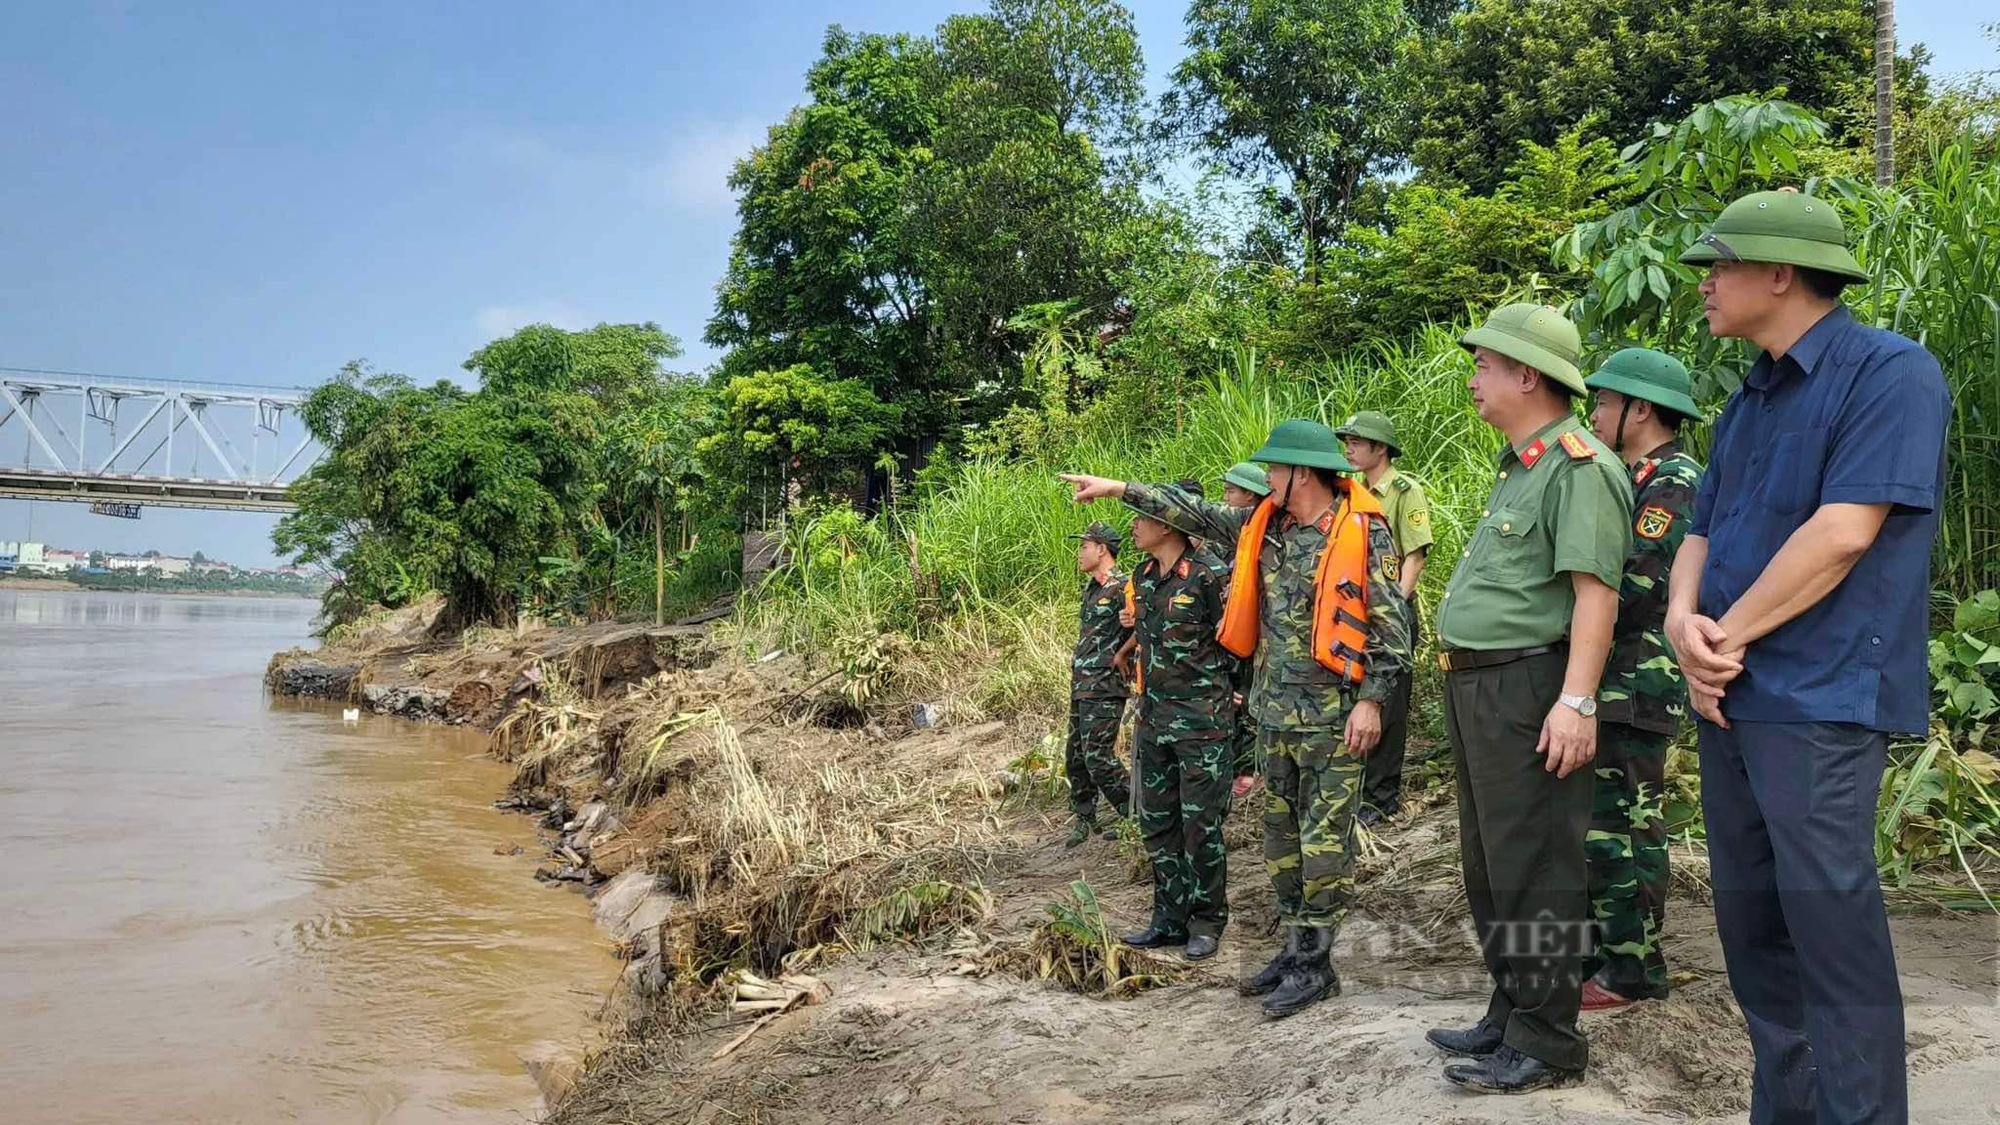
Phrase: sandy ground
x=914 y=1036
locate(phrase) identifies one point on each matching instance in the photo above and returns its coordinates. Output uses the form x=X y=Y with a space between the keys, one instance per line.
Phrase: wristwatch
x=1585 y=705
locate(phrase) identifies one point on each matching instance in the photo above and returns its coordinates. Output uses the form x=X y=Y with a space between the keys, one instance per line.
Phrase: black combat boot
x=1273 y=974
x=1311 y=978
x=1086 y=823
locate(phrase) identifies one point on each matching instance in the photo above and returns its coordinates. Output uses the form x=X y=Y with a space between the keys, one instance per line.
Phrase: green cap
x=1782 y=227
x=1101 y=532
x=1650 y=376
x=1537 y=335
x=1301 y=441
x=1371 y=425
x=1248 y=477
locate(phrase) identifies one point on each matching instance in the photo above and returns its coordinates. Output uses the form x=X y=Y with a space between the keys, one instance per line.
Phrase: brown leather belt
x=1465 y=659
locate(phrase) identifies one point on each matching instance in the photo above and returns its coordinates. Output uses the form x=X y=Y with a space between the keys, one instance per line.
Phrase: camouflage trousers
x=1245 y=738
x=1312 y=791
x=1627 y=853
x=1091 y=758
x=1184 y=778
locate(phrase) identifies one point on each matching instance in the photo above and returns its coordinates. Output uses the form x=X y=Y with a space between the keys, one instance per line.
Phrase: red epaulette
x=1577 y=448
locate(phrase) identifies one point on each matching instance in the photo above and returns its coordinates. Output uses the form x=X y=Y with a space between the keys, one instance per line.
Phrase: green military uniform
x=1560 y=504
x=1249 y=478
x=1097 y=695
x=1408 y=512
x=1187 y=714
x=1642 y=701
x=1313 y=786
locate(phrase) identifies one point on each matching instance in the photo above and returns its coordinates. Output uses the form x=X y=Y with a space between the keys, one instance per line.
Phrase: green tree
x=651 y=466
x=1511 y=70
x=1683 y=175
x=793 y=429
x=820 y=273
x=1301 y=92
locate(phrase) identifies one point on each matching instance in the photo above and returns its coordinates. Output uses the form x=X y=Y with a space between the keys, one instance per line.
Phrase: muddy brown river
x=220 y=907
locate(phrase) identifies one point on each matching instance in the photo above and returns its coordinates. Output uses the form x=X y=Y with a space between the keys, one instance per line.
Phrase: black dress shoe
x=1476 y=1042
x=1152 y=937
x=1200 y=947
x=1369 y=816
x=1510 y=1072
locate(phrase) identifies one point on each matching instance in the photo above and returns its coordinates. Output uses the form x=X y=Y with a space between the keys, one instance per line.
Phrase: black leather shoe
x=1369 y=816
x=1153 y=937
x=1510 y=1072
x=1476 y=1042
x=1273 y=974
x=1311 y=977
x=1201 y=947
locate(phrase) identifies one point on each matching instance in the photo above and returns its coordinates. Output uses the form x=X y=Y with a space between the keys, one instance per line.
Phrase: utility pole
x=1885 y=82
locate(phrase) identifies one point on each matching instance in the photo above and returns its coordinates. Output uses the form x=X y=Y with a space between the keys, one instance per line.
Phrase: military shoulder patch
x=1577 y=448
x=1419 y=518
x=1392 y=567
x=1401 y=484
x=1653 y=523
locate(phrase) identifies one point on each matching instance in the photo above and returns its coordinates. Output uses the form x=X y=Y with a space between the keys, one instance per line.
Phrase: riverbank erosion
x=842 y=895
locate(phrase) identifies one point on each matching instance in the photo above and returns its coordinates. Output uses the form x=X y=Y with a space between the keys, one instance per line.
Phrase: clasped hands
x=1709 y=661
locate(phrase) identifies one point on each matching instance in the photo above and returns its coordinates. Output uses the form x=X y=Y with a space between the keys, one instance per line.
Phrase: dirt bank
x=894 y=889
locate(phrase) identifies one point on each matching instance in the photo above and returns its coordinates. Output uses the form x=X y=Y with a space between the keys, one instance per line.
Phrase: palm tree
x=1885 y=78
x=651 y=465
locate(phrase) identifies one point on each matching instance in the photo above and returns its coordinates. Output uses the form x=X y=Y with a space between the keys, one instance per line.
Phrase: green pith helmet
x=1247 y=477
x=1650 y=376
x=1781 y=227
x=1537 y=335
x=1301 y=441
x=1371 y=425
x=1101 y=532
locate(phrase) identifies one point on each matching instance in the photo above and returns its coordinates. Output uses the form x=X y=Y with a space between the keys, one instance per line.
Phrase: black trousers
x=1382 y=779
x=1790 y=809
x=1521 y=832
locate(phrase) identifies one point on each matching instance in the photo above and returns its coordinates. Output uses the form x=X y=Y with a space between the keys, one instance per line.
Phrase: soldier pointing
x=1313 y=598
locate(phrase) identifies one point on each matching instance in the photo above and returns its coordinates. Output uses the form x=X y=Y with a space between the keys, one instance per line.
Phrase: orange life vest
x=1340 y=586
x=1132 y=607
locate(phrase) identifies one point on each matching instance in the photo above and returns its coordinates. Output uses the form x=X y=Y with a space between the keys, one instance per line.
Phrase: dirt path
x=918 y=1037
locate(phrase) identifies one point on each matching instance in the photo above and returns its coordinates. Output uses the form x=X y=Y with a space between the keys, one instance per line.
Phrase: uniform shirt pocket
x=1512 y=552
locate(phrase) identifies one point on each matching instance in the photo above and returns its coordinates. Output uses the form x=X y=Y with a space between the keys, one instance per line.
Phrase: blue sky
x=256 y=193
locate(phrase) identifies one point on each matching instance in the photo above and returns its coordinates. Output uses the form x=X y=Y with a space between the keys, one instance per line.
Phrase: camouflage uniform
x=1097 y=702
x=1186 y=717
x=1243 y=742
x=1300 y=707
x=1641 y=704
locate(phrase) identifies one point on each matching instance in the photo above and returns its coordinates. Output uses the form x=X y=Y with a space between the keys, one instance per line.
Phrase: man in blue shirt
x=1798 y=609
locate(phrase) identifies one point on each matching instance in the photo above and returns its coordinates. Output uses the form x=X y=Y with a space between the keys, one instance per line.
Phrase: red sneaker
x=1597 y=998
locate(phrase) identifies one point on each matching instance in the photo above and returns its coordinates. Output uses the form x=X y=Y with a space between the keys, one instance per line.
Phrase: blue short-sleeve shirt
x=1851 y=415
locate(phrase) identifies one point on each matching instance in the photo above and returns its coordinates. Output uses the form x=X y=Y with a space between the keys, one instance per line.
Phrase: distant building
x=59 y=559
x=117 y=563
x=172 y=567
x=23 y=556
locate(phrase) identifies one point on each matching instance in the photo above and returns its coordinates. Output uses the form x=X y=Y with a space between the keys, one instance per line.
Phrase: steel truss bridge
x=87 y=438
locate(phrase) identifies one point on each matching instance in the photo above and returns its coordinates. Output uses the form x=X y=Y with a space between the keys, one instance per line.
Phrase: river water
x=222 y=907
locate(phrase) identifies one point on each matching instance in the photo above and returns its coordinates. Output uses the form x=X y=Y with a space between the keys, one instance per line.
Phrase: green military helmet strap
x=1248 y=477
x=1780 y=227
x=1371 y=425
x=1536 y=335
x=1301 y=441
x=1649 y=376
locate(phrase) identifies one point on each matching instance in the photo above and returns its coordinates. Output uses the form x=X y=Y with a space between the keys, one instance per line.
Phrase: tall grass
x=984 y=562
x=1933 y=246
